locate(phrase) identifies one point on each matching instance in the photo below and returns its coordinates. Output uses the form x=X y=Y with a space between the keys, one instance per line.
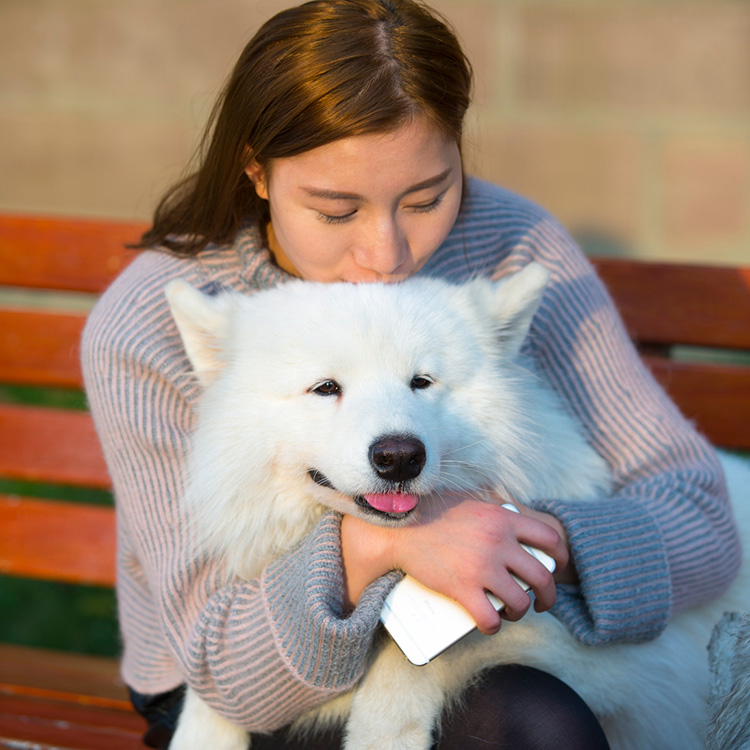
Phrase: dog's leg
x=200 y=728
x=395 y=707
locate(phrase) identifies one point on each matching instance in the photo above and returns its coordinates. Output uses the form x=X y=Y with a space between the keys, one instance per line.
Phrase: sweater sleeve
x=665 y=539
x=262 y=651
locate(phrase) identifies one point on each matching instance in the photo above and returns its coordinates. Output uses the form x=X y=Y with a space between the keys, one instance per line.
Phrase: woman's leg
x=521 y=707
x=161 y=713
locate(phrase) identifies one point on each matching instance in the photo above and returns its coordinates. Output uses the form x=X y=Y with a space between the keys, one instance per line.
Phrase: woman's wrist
x=367 y=554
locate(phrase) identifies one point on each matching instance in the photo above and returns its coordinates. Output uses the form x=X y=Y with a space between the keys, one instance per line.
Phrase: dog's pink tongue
x=392 y=502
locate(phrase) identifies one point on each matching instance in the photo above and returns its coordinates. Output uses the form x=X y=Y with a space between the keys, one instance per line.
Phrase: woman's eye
x=424 y=208
x=332 y=219
x=420 y=382
x=326 y=388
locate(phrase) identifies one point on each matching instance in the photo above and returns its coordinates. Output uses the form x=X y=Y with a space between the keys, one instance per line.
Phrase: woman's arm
x=663 y=541
x=261 y=651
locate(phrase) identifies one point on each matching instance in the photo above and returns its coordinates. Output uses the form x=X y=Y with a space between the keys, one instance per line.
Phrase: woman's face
x=364 y=208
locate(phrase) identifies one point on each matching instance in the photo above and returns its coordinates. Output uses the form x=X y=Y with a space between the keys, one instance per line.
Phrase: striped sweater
x=265 y=650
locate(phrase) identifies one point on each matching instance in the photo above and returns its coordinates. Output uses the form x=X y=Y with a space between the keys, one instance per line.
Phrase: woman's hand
x=461 y=547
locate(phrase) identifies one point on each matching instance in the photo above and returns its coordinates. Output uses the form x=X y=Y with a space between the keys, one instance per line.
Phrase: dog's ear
x=203 y=323
x=515 y=300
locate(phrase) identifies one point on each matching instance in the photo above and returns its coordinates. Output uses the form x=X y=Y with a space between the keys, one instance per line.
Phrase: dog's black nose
x=398 y=457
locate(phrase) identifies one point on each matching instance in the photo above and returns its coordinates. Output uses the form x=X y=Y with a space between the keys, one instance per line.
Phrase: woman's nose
x=383 y=248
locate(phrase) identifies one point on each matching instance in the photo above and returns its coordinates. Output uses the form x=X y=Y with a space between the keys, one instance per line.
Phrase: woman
x=334 y=155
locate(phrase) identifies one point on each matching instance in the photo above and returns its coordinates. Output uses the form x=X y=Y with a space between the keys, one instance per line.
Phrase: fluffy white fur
x=486 y=421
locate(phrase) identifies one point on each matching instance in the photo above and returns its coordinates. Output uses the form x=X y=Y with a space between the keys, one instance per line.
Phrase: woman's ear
x=257 y=176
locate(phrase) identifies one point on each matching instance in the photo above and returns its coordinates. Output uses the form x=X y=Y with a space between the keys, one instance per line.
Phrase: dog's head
x=361 y=398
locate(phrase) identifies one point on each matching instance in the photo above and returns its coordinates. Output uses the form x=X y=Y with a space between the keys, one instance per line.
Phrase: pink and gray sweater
x=265 y=650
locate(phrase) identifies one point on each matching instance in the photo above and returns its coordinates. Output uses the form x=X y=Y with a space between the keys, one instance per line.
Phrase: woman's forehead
x=415 y=156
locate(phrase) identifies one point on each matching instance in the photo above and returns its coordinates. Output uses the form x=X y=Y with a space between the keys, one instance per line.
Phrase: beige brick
x=475 y=22
x=662 y=58
x=68 y=164
x=705 y=192
x=589 y=180
x=151 y=58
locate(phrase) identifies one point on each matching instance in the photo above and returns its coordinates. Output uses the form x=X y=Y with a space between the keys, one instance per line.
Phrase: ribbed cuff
x=303 y=591
x=625 y=591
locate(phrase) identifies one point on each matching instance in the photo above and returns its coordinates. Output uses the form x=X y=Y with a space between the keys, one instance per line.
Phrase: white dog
x=435 y=369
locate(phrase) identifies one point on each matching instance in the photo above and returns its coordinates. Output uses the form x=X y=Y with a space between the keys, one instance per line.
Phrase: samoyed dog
x=432 y=372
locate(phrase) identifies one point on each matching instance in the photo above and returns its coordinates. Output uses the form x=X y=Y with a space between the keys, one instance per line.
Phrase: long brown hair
x=312 y=74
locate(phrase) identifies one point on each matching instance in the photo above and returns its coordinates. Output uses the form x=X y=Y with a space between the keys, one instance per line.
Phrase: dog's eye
x=326 y=388
x=420 y=382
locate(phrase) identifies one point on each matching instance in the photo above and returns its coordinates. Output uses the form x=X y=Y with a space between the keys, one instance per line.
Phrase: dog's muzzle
x=396 y=459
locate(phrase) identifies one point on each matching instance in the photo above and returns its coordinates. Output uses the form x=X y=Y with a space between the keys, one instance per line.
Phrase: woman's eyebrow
x=336 y=195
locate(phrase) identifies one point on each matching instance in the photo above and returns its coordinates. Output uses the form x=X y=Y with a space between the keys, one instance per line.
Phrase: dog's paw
x=388 y=735
x=407 y=741
x=200 y=728
x=221 y=739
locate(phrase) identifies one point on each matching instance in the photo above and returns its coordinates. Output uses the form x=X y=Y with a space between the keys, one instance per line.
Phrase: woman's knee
x=524 y=708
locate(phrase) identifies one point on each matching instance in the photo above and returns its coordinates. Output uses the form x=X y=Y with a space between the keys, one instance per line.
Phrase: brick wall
x=630 y=121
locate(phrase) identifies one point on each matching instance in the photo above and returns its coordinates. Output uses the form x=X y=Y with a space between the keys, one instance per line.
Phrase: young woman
x=334 y=154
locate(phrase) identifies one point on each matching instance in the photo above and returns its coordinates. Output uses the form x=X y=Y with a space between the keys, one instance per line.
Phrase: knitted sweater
x=265 y=650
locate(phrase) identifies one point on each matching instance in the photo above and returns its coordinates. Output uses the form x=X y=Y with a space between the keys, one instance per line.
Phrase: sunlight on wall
x=629 y=121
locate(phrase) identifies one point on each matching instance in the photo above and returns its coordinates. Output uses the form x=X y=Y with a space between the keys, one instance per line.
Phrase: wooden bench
x=50 y=699
x=75 y=701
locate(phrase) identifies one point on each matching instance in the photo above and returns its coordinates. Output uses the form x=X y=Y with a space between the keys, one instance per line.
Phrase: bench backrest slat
x=58 y=541
x=668 y=304
x=40 y=347
x=56 y=446
x=65 y=254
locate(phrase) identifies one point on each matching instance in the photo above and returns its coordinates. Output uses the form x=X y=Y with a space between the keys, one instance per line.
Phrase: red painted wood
x=67 y=726
x=666 y=303
x=50 y=445
x=64 y=253
x=57 y=541
x=57 y=675
x=40 y=347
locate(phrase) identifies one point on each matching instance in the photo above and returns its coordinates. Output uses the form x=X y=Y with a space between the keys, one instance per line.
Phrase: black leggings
x=512 y=707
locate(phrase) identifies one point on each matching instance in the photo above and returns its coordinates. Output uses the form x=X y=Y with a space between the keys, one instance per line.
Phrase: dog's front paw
x=201 y=728
x=210 y=736
x=395 y=707
x=378 y=738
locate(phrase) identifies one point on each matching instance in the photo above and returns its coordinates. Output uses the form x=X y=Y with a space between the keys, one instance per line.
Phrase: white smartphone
x=424 y=623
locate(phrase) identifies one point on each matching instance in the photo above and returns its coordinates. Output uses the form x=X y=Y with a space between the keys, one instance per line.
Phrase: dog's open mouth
x=396 y=504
